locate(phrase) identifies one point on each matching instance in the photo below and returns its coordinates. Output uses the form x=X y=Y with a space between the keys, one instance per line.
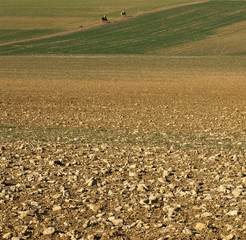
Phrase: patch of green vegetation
x=47 y=8
x=142 y=35
x=175 y=140
x=59 y=15
x=15 y=35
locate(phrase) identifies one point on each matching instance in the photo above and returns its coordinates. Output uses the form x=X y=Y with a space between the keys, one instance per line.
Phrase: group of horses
x=105 y=19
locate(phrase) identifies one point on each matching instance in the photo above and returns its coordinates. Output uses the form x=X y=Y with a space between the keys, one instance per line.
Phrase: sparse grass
x=25 y=19
x=175 y=140
x=229 y=40
x=27 y=14
x=145 y=34
x=117 y=68
x=11 y=35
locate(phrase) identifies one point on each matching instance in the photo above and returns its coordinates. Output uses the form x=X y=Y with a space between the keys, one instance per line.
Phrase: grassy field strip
x=164 y=139
x=113 y=56
x=89 y=26
x=27 y=19
x=224 y=42
x=73 y=11
x=164 y=31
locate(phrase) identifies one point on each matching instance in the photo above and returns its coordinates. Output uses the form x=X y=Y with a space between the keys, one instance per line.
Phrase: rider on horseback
x=104 y=18
x=123 y=13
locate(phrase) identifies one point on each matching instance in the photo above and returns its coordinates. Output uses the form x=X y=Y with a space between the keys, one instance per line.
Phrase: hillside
x=210 y=28
x=26 y=18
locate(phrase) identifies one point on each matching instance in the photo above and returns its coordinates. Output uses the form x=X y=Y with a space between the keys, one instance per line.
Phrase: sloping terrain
x=83 y=27
x=26 y=18
x=152 y=33
x=130 y=147
x=137 y=146
x=229 y=40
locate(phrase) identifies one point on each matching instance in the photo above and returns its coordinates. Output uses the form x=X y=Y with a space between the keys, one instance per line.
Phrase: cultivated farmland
x=184 y=30
x=25 y=19
x=111 y=145
x=131 y=147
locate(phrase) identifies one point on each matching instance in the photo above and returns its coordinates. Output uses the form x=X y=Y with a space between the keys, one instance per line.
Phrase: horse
x=123 y=13
x=104 y=19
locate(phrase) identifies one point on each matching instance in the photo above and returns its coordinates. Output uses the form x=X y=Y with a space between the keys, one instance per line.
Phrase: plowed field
x=119 y=147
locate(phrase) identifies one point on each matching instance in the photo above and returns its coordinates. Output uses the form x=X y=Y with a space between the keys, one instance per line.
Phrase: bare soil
x=190 y=185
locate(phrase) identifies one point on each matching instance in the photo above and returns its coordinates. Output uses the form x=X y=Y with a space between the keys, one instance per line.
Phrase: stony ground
x=117 y=160
x=57 y=191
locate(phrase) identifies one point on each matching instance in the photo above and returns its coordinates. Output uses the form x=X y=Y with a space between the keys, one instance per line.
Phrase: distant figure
x=104 y=18
x=123 y=13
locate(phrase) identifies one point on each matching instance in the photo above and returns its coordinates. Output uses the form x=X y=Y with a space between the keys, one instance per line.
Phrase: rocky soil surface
x=142 y=160
x=67 y=191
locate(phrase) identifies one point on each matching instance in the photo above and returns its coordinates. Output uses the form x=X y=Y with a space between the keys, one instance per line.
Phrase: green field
x=165 y=32
x=21 y=19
